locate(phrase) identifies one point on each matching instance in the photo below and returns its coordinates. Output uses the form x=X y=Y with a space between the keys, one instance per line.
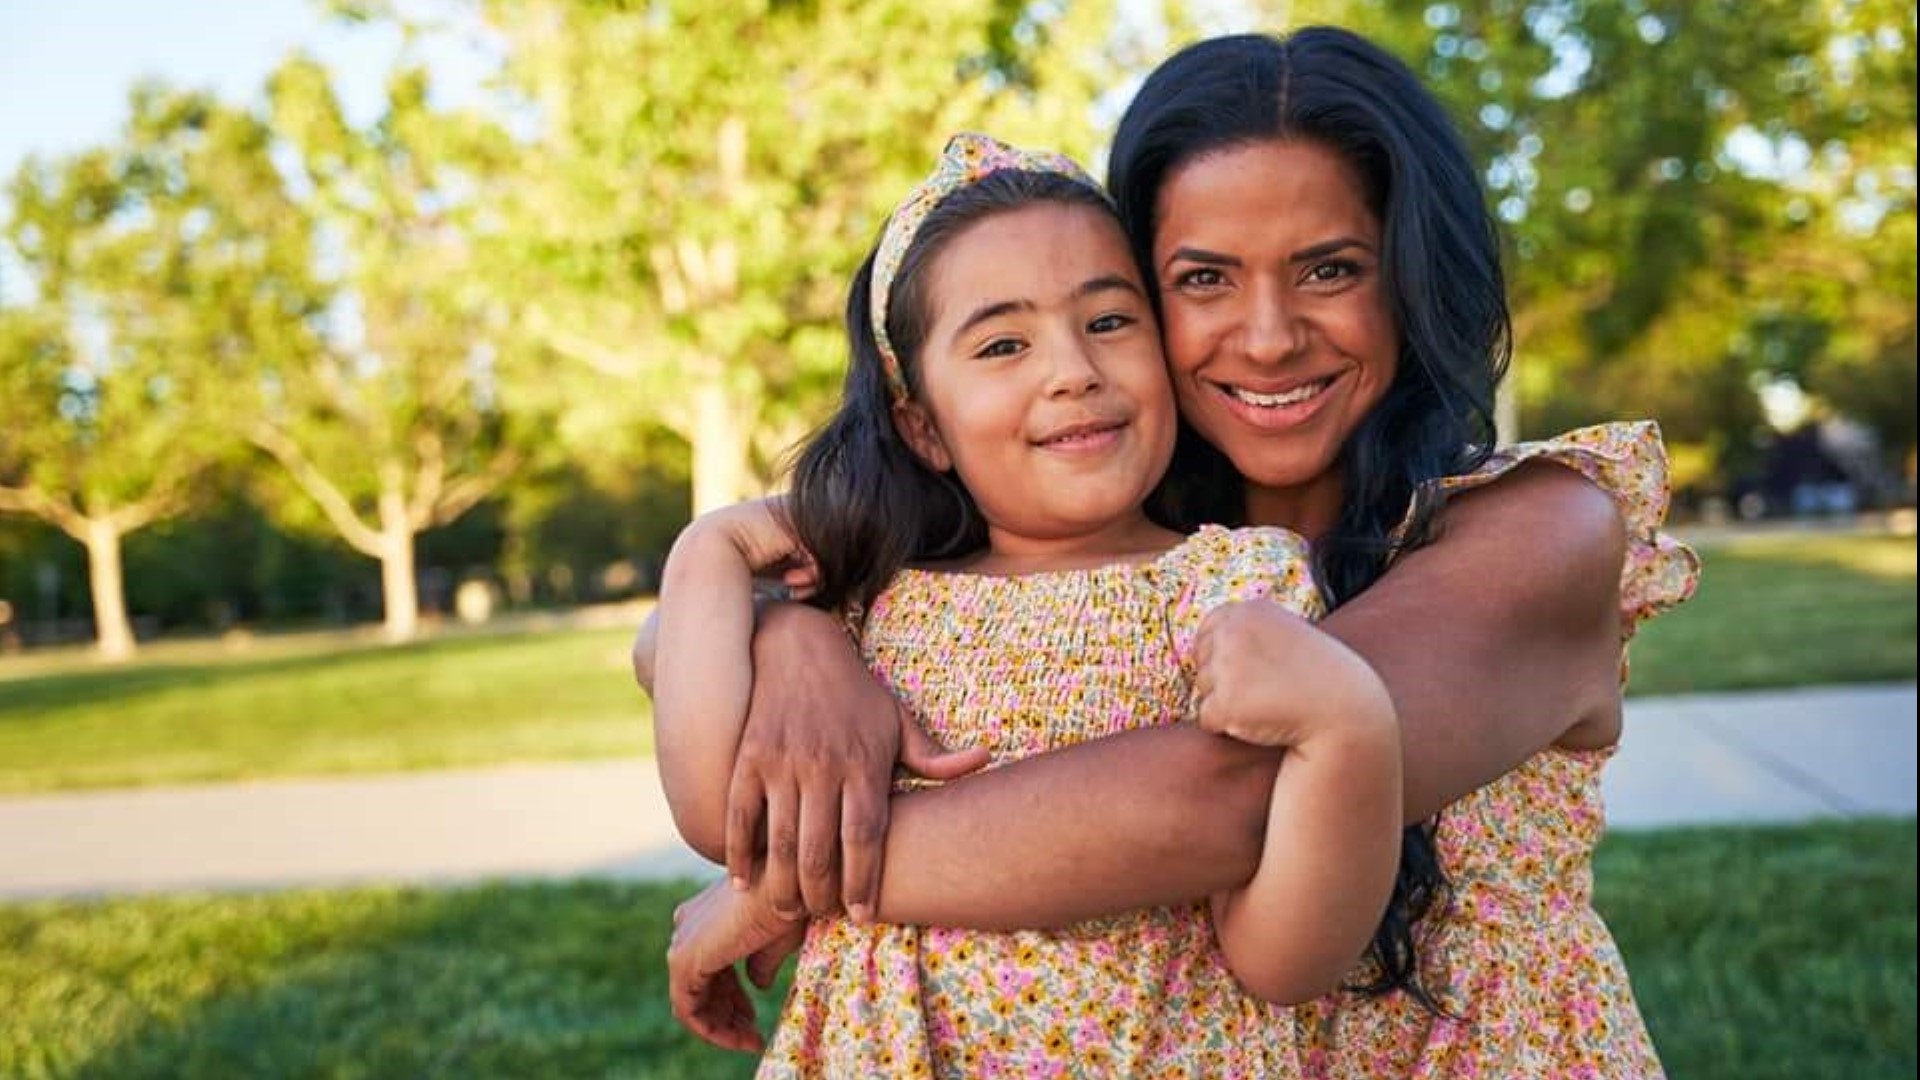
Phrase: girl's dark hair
x=862 y=501
x=1441 y=268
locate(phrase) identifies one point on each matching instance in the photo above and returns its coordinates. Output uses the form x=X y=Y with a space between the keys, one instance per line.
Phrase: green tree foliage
x=389 y=415
x=1684 y=186
x=148 y=284
x=1700 y=196
x=702 y=180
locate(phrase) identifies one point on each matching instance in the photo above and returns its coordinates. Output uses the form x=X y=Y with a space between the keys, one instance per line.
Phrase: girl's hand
x=712 y=932
x=759 y=531
x=1266 y=676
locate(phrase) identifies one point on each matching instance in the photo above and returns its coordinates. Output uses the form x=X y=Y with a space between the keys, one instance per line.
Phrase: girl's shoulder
x=1216 y=565
x=1215 y=548
x=1628 y=461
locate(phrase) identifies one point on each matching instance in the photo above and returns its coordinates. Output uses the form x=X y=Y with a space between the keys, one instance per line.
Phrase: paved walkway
x=1687 y=760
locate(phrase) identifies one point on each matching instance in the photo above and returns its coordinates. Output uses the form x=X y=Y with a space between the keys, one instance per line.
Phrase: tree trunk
x=1506 y=406
x=112 y=629
x=398 y=592
x=721 y=467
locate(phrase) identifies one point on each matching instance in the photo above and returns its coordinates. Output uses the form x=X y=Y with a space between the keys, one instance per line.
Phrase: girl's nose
x=1073 y=371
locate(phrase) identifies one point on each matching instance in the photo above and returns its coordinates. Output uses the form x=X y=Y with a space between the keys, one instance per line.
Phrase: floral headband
x=968 y=159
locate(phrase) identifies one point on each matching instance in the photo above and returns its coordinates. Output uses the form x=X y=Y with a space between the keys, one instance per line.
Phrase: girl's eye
x=1109 y=323
x=999 y=347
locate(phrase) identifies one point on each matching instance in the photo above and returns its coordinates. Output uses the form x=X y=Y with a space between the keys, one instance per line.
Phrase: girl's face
x=1042 y=381
x=1279 y=334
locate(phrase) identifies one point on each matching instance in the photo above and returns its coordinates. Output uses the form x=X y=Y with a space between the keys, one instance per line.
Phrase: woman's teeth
x=1294 y=396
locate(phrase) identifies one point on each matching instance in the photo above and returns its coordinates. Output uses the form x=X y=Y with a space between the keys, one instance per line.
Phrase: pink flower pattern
x=1527 y=972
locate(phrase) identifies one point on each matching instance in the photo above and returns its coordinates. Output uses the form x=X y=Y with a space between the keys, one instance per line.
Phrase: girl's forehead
x=1036 y=253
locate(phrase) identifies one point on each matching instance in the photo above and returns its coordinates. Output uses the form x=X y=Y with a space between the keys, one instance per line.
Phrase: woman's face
x=1042 y=382
x=1279 y=334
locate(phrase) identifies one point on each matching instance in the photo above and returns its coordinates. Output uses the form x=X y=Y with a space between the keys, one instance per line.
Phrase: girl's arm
x=702 y=633
x=1494 y=641
x=1326 y=874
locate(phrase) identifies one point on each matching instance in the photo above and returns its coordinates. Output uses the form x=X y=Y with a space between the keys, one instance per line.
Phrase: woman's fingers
x=781 y=878
x=819 y=854
x=746 y=805
x=863 y=837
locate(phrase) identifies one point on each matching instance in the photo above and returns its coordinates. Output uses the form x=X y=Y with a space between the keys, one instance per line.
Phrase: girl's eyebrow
x=1108 y=283
x=1100 y=284
x=1305 y=254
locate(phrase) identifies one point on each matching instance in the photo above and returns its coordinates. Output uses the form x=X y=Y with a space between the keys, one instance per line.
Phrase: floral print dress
x=1023 y=665
x=1528 y=975
x=1525 y=967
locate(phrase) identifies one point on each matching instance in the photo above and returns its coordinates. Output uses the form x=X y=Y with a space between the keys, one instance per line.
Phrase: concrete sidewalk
x=1688 y=760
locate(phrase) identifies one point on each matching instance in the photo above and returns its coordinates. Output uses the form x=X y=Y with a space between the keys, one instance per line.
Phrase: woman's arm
x=1500 y=638
x=1494 y=641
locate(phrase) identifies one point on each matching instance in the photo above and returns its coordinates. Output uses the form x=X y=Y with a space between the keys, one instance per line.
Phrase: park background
x=350 y=394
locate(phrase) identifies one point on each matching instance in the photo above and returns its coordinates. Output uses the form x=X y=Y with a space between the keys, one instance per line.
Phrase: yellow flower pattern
x=1529 y=975
x=1023 y=665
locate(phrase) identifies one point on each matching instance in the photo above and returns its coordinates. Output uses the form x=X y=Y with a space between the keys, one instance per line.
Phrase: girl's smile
x=1042 y=384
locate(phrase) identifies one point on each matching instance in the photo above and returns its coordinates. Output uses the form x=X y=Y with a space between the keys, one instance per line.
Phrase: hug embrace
x=1250 y=702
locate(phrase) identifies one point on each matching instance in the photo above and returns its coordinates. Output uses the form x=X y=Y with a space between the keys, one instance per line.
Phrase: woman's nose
x=1273 y=330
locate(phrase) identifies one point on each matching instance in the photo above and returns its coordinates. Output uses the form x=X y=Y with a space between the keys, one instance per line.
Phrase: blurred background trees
x=303 y=369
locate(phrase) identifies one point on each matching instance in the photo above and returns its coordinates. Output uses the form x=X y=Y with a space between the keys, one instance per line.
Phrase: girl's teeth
x=1270 y=401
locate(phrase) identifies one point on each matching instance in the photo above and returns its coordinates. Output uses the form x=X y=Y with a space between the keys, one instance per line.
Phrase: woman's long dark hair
x=1441 y=268
x=862 y=502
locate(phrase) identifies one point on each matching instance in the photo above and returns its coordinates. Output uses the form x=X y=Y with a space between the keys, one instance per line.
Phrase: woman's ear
x=917 y=430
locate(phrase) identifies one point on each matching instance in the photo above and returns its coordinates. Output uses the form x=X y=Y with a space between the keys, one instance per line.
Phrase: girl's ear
x=917 y=430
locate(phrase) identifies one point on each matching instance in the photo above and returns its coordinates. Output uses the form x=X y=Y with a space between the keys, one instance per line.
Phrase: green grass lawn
x=1758 y=953
x=1772 y=611
x=1787 y=610
x=466 y=700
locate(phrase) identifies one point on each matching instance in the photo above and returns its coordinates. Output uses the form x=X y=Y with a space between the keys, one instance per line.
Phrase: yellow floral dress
x=1023 y=665
x=1526 y=967
x=1527 y=971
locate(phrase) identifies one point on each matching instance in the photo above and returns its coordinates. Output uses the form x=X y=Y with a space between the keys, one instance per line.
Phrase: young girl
x=977 y=507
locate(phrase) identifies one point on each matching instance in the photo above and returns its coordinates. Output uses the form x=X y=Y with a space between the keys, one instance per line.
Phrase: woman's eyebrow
x=1306 y=254
x=1329 y=247
x=1201 y=256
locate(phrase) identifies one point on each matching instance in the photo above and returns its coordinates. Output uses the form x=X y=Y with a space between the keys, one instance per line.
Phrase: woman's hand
x=713 y=932
x=814 y=769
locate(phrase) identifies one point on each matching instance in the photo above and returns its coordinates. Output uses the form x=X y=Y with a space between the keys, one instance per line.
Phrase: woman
x=1335 y=323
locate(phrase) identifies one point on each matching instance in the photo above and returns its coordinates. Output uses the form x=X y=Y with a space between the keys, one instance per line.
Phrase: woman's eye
x=1336 y=270
x=1202 y=278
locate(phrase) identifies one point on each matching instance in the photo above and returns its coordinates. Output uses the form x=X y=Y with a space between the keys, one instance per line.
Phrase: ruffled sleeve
x=1629 y=462
x=1217 y=566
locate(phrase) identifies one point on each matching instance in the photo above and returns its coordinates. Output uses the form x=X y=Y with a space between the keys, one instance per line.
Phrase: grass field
x=1758 y=954
x=1787 y=610
x=471 y=700
x=1773 y=611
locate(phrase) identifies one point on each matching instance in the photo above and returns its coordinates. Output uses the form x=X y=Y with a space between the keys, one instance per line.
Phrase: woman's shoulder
x=1627 y=460
x=1608 y=473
